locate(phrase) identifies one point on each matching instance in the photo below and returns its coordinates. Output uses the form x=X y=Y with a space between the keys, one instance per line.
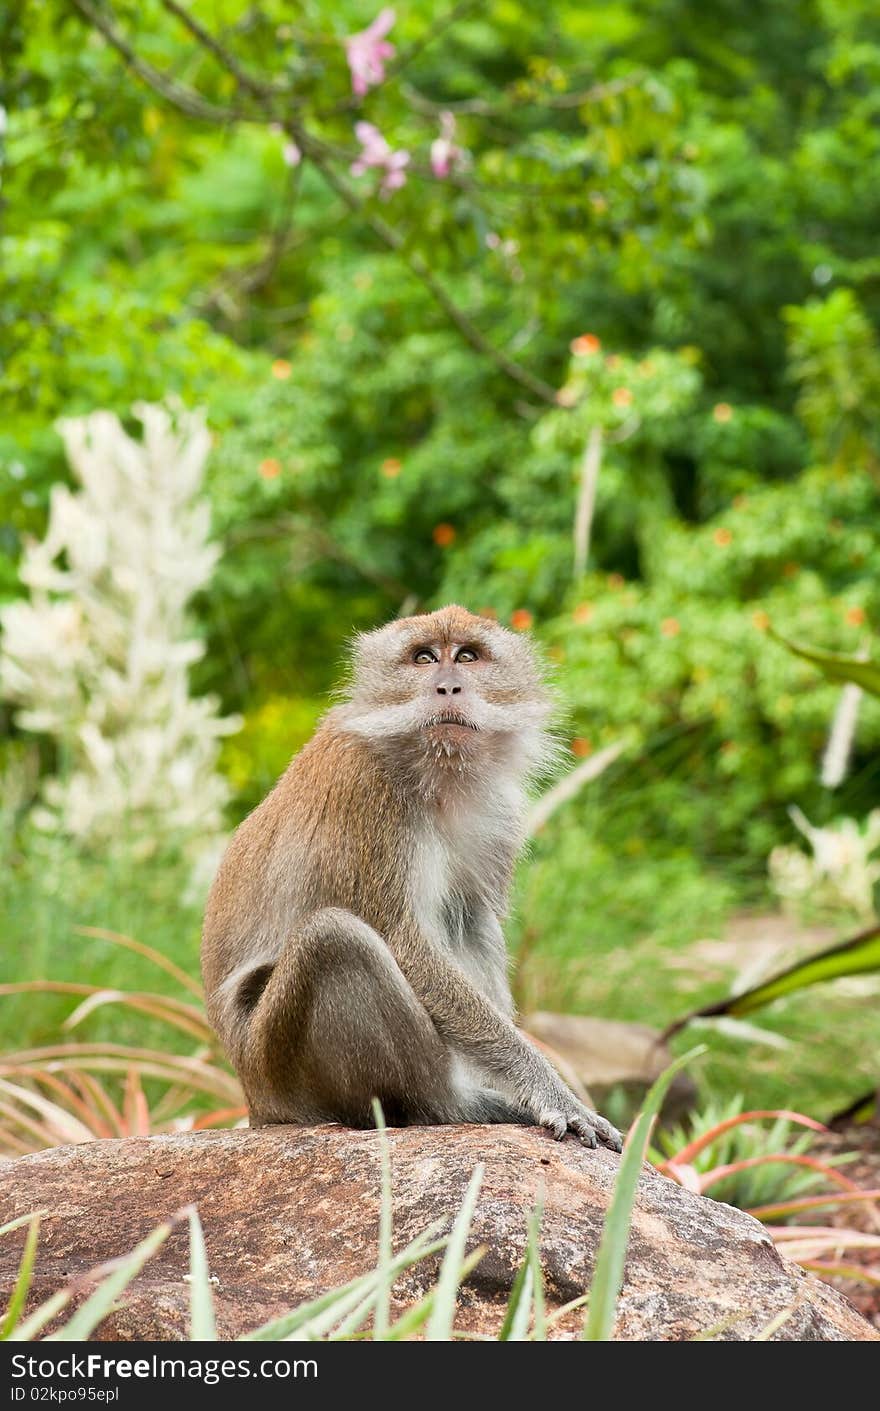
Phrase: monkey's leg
x=336 y=1025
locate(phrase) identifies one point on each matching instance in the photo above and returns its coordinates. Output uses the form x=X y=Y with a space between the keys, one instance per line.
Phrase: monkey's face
x=457 y=685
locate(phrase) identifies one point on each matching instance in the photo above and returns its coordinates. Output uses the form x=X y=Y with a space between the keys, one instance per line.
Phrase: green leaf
x=278 y=1329
x=102 y=1301
x=383 y=1291
x=25 y=1272
x=203 y=1327
x=610 y=1261
x=835 y=666
x=451 y=1271
x=858 y=956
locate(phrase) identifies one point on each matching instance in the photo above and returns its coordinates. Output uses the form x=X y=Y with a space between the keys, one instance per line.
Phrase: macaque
x=352 y=944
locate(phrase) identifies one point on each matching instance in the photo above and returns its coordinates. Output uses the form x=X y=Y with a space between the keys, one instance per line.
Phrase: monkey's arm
x=469 y=1023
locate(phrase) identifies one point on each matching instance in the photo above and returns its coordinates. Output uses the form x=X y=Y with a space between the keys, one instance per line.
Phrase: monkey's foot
x=588 y=1126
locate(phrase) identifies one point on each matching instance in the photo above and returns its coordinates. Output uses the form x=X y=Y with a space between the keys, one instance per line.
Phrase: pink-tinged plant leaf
x=705 y=1139
x=192 y=1073
x=58 y=1122
x=69 y=1095
x=220 y=1118
x=101 y=1101
x=857 y=1272
x=718 y=1173
x=184 y=1017
x=11 y=1144
x=134 y=1106
x=816 y=1248
x=782 y=1233
x=100 y=933
x=685 y=1175
x=41 y=1133
x=810 y=1202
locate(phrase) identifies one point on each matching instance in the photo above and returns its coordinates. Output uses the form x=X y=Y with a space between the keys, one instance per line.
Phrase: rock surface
x=290 y=1212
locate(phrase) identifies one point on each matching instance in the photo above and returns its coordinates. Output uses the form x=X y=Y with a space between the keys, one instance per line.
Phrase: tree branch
x=186 y=99
x=418 y=267
x=255 y=86
x=190 y=102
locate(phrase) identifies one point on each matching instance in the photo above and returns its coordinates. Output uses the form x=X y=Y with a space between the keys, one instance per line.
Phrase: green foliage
x=755 y=1185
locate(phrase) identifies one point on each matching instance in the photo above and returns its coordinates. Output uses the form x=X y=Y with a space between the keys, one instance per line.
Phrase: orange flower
x=760 y=620
x=722 y=537
x=670 y=627
x=855 y=616
x=621 y=396
x=722 y=411
x=583 y=612
x=613 y=360
x=391 y=467
x=521 y=619
x=566 y=397
x=444 y=535
x=581 y=747
x=281 y=369
x=270 y=468
x=584 y=346
x=615 y=580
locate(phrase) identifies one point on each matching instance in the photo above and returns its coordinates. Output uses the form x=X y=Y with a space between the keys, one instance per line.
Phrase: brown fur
x=352 y=946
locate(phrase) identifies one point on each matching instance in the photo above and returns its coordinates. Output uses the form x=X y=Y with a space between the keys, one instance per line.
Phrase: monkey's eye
x=467 y=654
x=423 y=656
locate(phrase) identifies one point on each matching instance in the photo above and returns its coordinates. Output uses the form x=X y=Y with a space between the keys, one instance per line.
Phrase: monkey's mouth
x=450 y=717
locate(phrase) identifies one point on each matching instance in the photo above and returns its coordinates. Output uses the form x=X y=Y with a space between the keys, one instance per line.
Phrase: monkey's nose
x=448 y=690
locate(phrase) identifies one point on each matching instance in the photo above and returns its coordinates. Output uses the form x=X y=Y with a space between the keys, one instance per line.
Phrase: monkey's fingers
x=559 y=1123
x=608 y=1135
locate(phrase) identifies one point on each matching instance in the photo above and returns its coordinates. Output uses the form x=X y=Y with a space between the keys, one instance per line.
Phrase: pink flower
x=367 y=51
x=375 y=152
x=291 y=154
x=445 y=154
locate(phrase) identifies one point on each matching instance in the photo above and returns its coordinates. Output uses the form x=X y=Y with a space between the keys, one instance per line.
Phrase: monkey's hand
x=588 y=1126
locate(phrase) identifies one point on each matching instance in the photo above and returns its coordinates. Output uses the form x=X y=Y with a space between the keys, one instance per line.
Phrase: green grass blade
x=279 y=1328
x=610 y=1261
x=203 y=1326
x=521 y=1293
x=22 y=1220
x=451 y=1272
x=36 y=1321
x=414 y=1319
x=533 y=1253
x=101 y=1302
x=383 y=1291
x=835 y=666
x=25 y=1273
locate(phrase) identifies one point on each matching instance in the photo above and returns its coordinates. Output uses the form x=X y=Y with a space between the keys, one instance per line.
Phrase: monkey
x=352 y=946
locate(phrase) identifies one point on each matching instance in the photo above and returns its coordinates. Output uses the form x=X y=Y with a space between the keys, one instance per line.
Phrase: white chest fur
x=458 y=878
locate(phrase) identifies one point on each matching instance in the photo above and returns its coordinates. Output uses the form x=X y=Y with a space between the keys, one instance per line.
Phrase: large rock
x=289 y=1212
